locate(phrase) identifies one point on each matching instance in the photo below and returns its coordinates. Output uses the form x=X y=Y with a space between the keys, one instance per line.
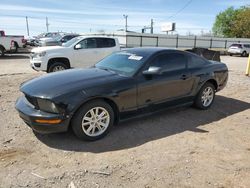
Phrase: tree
x=224 y=22
x=241 y=25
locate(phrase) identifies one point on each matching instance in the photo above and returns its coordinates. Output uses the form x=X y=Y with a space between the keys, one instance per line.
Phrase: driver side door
x=174 y=80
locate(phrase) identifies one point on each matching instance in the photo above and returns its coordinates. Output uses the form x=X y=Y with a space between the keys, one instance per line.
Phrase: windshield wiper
x=107 y=69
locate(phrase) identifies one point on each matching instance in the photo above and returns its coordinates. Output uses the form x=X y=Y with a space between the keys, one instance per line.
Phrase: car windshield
x=70 y=42
x=124 y=63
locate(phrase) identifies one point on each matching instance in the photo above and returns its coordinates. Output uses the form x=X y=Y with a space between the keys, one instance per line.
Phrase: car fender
x=205 y=78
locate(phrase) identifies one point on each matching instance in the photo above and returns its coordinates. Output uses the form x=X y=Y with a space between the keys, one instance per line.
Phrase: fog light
x=37 y=64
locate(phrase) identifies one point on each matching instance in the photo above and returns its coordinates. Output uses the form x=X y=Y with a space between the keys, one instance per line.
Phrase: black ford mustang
x=138 y=80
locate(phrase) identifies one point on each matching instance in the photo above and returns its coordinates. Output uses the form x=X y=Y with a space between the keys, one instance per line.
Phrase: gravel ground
x=183 y=147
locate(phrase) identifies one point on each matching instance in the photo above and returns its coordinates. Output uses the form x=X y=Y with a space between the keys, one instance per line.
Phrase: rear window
x=195 y=61
x=236 y=45
x=105 y=42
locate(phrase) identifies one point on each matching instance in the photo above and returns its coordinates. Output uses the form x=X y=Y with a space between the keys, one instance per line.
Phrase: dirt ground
x=183 y=147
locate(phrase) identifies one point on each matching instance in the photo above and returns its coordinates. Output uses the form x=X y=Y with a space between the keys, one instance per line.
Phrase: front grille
x=32 y=100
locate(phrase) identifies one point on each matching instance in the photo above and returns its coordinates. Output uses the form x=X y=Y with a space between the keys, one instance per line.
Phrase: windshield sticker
x=135 y=57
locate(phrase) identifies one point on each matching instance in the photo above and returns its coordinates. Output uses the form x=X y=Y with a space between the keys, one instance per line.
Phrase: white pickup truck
x=79 y=51
x=10 y=43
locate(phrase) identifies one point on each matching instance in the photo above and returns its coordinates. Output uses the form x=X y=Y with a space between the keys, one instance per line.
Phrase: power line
x=185 y=6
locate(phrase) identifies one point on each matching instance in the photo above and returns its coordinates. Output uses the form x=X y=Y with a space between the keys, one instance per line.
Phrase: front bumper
x=30 y=114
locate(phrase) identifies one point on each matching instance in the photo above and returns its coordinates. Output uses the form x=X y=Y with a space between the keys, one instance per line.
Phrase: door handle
x=184 y=77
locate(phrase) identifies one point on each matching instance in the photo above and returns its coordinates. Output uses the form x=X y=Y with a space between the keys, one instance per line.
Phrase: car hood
x=55 y=84
x=47 y=48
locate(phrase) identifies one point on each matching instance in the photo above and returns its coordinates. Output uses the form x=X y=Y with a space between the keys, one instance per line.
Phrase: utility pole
x=27 y=25
x=152 y=27
x=126 y=22
x=47 y=24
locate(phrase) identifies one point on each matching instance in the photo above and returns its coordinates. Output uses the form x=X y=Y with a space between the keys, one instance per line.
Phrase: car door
x=86 y=54
x=173 y=82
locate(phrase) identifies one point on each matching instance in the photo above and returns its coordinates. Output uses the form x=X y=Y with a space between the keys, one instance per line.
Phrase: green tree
x=241 y=25
x=224 y=22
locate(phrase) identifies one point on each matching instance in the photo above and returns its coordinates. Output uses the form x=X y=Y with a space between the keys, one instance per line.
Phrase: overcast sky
x=93 y=15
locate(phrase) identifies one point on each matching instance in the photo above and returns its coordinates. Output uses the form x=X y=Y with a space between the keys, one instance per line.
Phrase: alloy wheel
x=207 y=96
x=95 y=121
x=58 y=68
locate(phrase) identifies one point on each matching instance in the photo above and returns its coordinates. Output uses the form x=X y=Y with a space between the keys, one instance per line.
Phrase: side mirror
x=78 y=46
x=152 y=71
x=63 y=40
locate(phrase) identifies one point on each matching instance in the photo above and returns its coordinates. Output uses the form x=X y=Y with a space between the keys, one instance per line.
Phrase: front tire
x=205 y=97
x=55 y=67
x=93 y=120
x=1 y=51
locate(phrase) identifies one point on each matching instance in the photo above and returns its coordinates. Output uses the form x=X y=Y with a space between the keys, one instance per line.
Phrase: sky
x=80 y=16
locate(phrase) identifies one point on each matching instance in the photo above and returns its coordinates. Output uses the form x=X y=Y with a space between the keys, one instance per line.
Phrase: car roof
x=95 y=36
x=149 y=50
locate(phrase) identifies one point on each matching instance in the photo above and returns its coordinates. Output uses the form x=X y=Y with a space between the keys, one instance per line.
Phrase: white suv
x=239 y=49
x=79 y=51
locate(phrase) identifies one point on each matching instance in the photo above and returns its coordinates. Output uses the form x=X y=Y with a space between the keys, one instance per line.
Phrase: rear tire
x=205 y=97
x=93 y=120
x=244 y=54
x=57 y=66
x=16 y=47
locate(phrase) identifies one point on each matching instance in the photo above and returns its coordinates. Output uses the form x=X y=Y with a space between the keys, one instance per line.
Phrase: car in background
x=134 y=81
x=11 y=43
x=57 y=41
x=48 y=37
x=75 y=53
x=239 y=49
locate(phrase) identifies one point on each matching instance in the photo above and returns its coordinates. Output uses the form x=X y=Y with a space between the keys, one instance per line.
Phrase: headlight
x=41 y=54
x=47 y=106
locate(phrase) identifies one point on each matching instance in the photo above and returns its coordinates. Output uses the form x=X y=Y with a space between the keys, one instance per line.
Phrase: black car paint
x=72 y=88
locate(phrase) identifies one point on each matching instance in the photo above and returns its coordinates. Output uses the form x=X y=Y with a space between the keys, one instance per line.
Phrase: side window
x=88 y=43
x=195 y=61
x=105 y=42
x=170 y=61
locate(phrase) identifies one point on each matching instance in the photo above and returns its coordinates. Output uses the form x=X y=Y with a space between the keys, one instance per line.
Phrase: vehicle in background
x=44 y=36
x=77 y=52
x=239 y=49
x=57 y=41
x=206 y=53
x=11 y=43
x=134 y=81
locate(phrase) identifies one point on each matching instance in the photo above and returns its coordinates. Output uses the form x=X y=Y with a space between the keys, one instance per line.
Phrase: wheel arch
x=16 y=44
x=214 y=82
x=63 y=60
x=1 y=46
